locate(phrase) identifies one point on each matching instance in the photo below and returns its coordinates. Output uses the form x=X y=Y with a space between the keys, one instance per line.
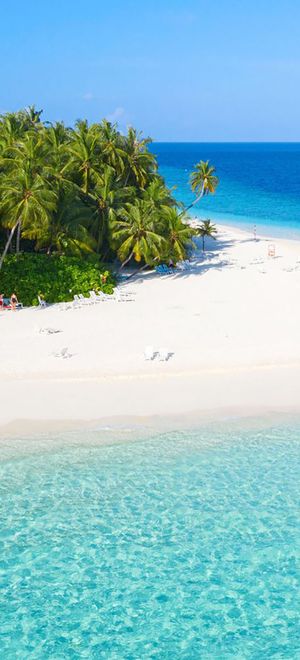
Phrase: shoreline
x=162 y=401
x=231 y=322
x=264 y=231
x=130 y=428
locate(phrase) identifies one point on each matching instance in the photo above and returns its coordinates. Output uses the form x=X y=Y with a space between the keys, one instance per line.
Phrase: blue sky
x=178 y=70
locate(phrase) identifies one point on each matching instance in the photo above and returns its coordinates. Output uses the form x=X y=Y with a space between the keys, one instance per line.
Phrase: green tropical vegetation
x=56 y=279
x=86 y=196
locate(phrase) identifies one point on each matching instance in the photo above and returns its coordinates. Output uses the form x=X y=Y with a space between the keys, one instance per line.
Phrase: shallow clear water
x=259 y=182
x=183 y=546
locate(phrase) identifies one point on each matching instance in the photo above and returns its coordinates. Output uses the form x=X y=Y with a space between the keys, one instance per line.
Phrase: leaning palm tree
x=203 y=181
x=135 y=236
x=206 y=229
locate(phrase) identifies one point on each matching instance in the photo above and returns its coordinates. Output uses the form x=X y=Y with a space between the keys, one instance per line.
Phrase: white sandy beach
x=232 y=323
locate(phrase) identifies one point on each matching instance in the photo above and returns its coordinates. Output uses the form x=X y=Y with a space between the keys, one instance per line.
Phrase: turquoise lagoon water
x=185 y=545
x=259 y=182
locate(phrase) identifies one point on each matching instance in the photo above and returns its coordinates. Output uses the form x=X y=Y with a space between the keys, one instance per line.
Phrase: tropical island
x=78 y=203
x=113 y=274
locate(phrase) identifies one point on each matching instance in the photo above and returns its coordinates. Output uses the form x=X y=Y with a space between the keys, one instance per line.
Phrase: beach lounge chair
x=149 y=353
x=121 y=296
x=163 y=354
x=49 y=331
x=105 y=296
x=163 y=269
x=42 y=331
x=83 y=300
x=42 y=303
x=95 y=298
x=77 y=303
x=184 y=265
x=63 y=353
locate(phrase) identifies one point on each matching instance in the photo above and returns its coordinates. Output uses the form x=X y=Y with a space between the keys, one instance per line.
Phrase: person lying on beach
x=13 y=301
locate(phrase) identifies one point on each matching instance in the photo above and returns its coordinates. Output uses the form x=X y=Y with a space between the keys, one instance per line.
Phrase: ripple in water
x=183 y=546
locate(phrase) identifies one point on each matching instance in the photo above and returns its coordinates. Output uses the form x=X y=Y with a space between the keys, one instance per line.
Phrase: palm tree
x=33 y=117
x=22 y=163
x=57 y=138
x=111 y=145
x=140 y=163
x=12 y=129
x=68 y=230
x=203 y=181
x=135 y=236
x=27 y=204
x=177 y=234
x=207 y=228
x=107 y=198
x=158 y=194
x=84 y=149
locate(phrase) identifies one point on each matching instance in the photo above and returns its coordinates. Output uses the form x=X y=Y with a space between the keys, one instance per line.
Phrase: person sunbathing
x=13 y=301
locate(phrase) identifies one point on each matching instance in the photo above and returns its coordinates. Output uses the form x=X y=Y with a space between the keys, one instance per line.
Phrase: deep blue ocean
x=259 y=182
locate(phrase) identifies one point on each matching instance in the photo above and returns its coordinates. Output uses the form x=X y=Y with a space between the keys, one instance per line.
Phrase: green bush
x=55 y=278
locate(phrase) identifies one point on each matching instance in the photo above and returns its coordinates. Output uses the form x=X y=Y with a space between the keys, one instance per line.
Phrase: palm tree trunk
x=127 y=260
x=100 y=232
x=194 y=202
x=8 y=242
x=127 y=178
x=203 y=246
x=140 y=270
x=18 y=237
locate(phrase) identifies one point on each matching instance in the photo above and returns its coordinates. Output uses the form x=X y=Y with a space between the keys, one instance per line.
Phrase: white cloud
x=116 y=115
x=88 y=96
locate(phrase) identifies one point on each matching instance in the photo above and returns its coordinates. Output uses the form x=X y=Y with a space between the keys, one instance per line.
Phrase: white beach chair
x=42 y=303
x=121 y=297
x=63 y=353
x=163 y=354
x=95 y=298
x=83 y=300
x=149 y=353
x=77 y=303
x=47 y=331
